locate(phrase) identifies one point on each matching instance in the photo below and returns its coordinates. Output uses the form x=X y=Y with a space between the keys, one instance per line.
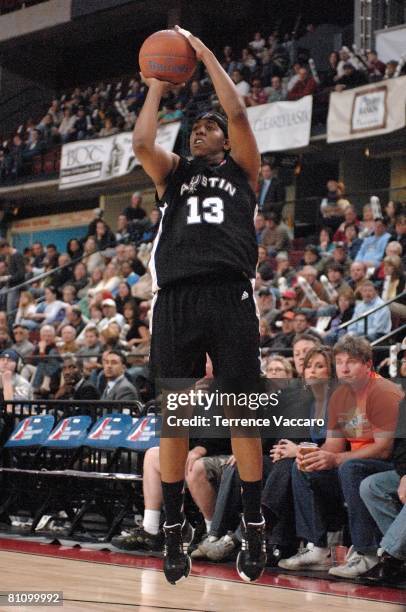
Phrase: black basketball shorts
x=194 y=318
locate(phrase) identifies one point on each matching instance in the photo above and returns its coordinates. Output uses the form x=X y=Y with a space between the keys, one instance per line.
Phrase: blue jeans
x=379 y=494
x=311 y=491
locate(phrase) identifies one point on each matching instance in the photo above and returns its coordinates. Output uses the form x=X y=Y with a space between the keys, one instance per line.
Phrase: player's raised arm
x=157 y=162
x=244 y=148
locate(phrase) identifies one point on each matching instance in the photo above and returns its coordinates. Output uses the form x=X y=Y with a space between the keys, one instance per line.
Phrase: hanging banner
x=366 y=111
x=281 y=126
x=100 y=159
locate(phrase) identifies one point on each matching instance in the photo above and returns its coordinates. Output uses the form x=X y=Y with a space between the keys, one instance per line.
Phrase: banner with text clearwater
x=366 y=111
x=282 y=125
x=100 y=159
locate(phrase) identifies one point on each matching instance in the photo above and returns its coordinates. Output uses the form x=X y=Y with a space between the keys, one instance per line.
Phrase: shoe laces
x=173 y=546
x=254 y=539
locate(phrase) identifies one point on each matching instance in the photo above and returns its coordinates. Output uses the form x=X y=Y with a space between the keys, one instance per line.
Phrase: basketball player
x=202 y=263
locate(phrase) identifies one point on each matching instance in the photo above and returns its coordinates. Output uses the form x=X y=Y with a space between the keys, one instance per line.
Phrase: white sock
x=208 y=525
x=151 y=521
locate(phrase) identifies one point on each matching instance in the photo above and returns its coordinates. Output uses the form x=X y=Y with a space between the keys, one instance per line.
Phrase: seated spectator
x=123 y=230
x=60 y=277
x=330 y=75
x=75 y=386
x=93 y=260
x=334 y=205
x=309 y=273
x=350 y=216
x=15 y=157
x=391 y=68
x=293 y=76
x=169 y=114
x=302 y=322
x=67 y=343
x=135 y=210
x=276 y=93
x=351 y=240
x=283 y=270
x=265 y=336
x=376 y=68
x=339 y=255
x=55 y=112
x=91 y=347
x=373 y=247
x=104 y=236
x=304 y=86
x=384 y=494
x=266 y=303
x=249 y=62
x=400 y=232
x=54 y=309
x=110 y=314
x=394 y=284
x=26 y=311
x=69 y=294
x=379 y=323
x=74 y=248
x=83 y=127
x=242 y=86
x=358 y=274
x=110 y=280
x=48 y=130
x=128 y=274
x=325 y=241
x=351 y=78
x=122 y=295
x=138 y=332
x=344 y=312
x=275 y=238
x=335 y=276
x=259 y=226
x=311 y=257
x=13 y=386
x=46 y=375
x=22 y=345
x=80 y=279
x=38 y=255
x=335 y=472
x=66 y=128
x=391 y=211
x=36 y=147
x=367 y=225
x=5 y=340
x=258 y=43
x=284 y=338
x=118 y=386
x=109 y=128
x=257 y=94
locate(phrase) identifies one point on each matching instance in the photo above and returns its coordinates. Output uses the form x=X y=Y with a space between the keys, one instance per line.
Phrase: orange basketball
x=167 y=56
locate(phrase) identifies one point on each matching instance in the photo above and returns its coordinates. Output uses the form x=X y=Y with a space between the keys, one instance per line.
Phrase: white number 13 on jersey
x=212 y=210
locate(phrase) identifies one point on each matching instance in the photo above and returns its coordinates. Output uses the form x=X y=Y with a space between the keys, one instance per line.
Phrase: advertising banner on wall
x=366 y=111
x=100 y=159
x=281 y=126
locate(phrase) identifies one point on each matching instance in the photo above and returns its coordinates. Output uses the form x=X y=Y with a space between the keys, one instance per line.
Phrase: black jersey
x=207 y=225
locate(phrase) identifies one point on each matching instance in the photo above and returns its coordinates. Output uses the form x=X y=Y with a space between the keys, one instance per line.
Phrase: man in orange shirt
x=362 y=420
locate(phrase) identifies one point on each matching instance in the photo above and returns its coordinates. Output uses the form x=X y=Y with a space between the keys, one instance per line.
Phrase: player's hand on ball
x=163 y=86
x=194 y=42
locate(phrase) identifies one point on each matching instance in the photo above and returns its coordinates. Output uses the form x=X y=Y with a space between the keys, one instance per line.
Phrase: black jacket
x=16 y=269
x=274 y=198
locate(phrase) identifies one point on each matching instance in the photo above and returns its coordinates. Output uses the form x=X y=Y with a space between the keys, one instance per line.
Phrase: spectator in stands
x=109 y=128
x=54 y=309
x=293 y=76
x=266 y=303
x=284 y=338
x=335 y=276
x=118 y=386
x=325 y=241
x=241 y=85
x=384 y=494
x=376 y=68
x=394 y=284
x=311 y=257
x=128 y=274
x=358 y=274
x=61 y=277
x=123 y=230
x=391 y=211
x=275 y=238
x=309 y=273
x=110 y=279
x=379 y=323
x=91 y=344
x=69 y=294
x=75 y=386
x=390 y=70
x=67 y=343
x=373 y=247
x=329 y=76
x=38 y=254
x=135 y=210
x=66 y=128
x=334 y=471
x=36 y=147
x=46 y=376
x=304 y=86
x=169 y=113
x=257 y=94
x=351 y=240
x=351 y=78
x=92 y=259
x=151 y=227
x=284 y=270
x=271 y=193
x=333 y=206
x=346 y=58
x=104 y=236
x=80 y=279
x=15 y=157
x=13 y=386
x=368 y=222
x=344 y=312
x=49 y=132
x=302 y=322
x=400 y=231
x=258 y=43
x=74 y=248
x=83 y=125
x=276 y=93
x=26 y=311
x=74 y=318
x=15 y=272
x=340 y=256
x=122 y=295
x=22 y=345
x=350 y=217
x=259 y=226
x=110 y=314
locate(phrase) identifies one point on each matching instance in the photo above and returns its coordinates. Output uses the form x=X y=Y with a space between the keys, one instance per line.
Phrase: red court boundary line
x=217 y=572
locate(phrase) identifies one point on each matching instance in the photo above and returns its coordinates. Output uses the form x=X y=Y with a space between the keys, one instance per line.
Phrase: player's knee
x=197 y=474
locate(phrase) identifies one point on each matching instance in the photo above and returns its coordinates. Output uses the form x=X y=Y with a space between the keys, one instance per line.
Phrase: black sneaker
x=251 y=559
x=389 y=569
x=177 y=563
x=139 y=539
x=276 y=552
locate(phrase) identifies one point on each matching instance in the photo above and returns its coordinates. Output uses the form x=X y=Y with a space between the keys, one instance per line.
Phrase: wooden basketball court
x=113 y=582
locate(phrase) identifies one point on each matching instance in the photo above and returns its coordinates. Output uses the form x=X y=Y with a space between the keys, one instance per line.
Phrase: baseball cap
x=289 y=315
x=220 y=119
x=289 y=294
x=10 y=354
x=109 y=302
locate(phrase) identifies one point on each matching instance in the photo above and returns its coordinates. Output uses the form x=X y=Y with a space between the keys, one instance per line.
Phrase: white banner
x=100 y=159
x=366 y=111
x=391 y=43
x=281 y=126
